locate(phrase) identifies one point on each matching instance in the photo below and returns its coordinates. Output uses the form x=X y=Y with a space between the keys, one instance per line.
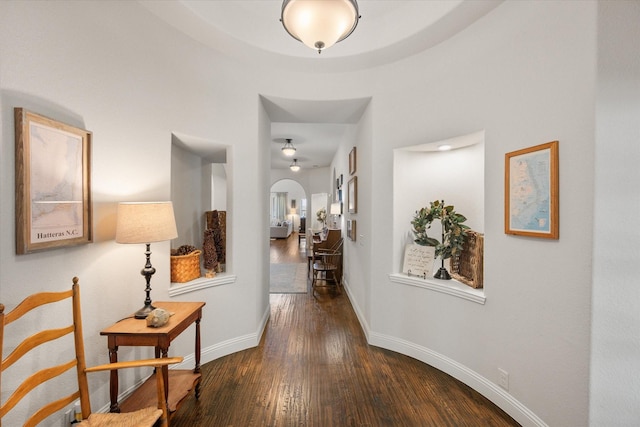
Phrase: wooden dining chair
x=327 y=267
x=80 y=390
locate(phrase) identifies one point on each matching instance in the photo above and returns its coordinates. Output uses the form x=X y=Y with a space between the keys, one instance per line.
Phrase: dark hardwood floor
x=313 y=367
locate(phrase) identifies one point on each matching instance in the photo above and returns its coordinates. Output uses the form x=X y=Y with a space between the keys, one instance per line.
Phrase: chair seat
x=322 y=266
x=142 y=418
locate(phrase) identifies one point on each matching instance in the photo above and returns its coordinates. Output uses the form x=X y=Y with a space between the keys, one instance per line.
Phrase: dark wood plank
x=181 y=382
x=314 y=367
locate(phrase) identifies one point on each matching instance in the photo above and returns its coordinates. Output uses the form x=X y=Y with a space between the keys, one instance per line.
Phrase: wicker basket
x=185 y=268
x=468 y=266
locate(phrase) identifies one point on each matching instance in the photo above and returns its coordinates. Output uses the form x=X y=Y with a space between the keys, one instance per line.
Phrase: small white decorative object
x=158 y=317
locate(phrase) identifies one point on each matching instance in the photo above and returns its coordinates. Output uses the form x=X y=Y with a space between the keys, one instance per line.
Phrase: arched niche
x=424 y=173
x=198 y=184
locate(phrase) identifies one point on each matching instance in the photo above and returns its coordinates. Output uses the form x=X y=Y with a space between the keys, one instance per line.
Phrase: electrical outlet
x=503 y=379
x=69 y=416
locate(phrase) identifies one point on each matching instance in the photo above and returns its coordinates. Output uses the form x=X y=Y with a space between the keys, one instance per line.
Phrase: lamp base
x=144 y=311
x=442 y=274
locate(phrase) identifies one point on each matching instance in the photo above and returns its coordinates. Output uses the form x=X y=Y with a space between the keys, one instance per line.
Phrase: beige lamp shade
x=335 y=209
x=145 y=222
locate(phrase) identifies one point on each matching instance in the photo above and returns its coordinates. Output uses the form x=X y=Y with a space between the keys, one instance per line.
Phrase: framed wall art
x=53 y=188
x=352 y=161
x=352 y=195
x=531 y=192
x=351 y=229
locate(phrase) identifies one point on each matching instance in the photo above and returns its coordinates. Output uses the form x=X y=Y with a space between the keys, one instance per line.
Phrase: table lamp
x=145 y=222
x=336 y=210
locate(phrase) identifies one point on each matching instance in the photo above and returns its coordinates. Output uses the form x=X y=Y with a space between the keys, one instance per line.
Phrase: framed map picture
x=53 y=194
x=531 y=192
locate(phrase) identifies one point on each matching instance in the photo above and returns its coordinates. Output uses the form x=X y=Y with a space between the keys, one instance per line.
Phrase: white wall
x=526 y=73
x=312 y=180
x=615 y=342
x=218 y=186
x=188 y=190
x=130 y=85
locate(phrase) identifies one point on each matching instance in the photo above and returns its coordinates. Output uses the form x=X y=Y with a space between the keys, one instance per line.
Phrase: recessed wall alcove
x=199 y=184
x=423 y=173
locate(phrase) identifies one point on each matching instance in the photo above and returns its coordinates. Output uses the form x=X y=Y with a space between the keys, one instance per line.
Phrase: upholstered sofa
x=281 y=231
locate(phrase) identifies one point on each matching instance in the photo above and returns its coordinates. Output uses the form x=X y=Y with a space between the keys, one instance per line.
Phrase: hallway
x=313 y=367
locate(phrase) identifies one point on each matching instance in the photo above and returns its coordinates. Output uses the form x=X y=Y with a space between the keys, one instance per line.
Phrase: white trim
x=361 y=318
x=201 y=283
x=232 y=345
x=482 y=385
x=449 y=287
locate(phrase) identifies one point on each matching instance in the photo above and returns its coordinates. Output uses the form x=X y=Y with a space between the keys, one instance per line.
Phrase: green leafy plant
x=454 y=231
x=322 y=215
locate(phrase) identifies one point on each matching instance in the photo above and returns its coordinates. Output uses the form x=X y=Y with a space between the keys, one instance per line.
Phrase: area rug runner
x=288 y=278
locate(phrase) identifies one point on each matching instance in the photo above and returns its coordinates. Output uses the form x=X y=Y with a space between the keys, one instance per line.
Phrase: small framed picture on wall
x=531 y=192
x=352 y=195
x=53 y=183
x=351 y=229
x=352 y=161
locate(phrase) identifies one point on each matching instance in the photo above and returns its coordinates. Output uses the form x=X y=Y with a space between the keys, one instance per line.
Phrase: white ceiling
x=250 y=30
x=316 y=128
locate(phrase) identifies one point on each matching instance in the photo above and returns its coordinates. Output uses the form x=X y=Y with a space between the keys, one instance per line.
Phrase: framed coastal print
x=531 y=192
x=352 y=195
x=53 y=194
x=352 y=161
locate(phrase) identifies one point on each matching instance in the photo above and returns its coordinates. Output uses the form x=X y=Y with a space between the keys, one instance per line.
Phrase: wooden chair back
x=328 y=260
x=26 y=311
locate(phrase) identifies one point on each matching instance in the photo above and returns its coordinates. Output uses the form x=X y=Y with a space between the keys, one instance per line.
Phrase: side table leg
x=197 y=356
x=164 y=352
x=113 y=381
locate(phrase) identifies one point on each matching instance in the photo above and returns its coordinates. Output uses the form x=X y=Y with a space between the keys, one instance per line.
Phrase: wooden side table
x=135 y=332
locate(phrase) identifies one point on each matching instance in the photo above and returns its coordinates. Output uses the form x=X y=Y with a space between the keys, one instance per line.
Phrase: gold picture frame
x=352 y=195
x=53 y=188
x=351 y=229
x=352 y=161
x=532 y=192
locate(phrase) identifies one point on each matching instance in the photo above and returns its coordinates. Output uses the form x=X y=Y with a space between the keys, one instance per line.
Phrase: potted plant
x=322 y=216
x=453 y=232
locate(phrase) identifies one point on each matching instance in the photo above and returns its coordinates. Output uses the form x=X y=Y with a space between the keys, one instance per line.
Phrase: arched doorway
x=287 y=265
x=288 y=202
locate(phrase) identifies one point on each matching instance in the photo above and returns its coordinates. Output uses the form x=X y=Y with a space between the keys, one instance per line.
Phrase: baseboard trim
x=482 y=385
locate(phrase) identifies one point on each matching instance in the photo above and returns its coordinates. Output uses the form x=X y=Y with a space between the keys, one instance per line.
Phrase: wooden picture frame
x=53 y=186
x=352 y=195
x=532 y=192
x=351 y=229
x=352 y=161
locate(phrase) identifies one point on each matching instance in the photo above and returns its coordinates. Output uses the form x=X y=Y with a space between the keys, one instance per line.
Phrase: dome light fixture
x=288 y=149
x=295 y=167
x=319 y=24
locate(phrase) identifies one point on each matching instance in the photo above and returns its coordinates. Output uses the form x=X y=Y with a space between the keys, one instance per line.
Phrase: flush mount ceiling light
x=294 y=166
x=288 y=149
x=319 y=24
